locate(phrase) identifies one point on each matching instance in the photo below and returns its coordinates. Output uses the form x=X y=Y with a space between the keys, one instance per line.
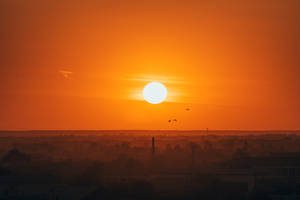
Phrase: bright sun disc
x=155 y=92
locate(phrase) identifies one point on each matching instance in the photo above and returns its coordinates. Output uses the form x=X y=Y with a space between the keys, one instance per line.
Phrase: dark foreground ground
x=149 y=165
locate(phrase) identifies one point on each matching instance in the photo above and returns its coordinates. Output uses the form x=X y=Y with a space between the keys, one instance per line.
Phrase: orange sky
x=74 y=64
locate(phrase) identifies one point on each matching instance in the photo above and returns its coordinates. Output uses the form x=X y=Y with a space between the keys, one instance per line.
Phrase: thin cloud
x=65 y=73
x=152 y=78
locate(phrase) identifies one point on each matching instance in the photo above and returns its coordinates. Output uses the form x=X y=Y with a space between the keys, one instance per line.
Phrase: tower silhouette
x=153 y=145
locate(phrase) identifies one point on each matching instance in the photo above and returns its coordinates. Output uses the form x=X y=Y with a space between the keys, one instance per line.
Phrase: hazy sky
x=74 y=64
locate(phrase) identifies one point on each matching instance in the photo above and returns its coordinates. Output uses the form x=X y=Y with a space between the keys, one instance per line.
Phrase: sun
x=155 y=92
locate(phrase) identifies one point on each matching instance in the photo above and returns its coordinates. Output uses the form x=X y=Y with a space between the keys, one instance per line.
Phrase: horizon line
x=179 y=130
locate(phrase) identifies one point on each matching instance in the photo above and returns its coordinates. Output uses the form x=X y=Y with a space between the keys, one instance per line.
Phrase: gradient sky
x=74 y=64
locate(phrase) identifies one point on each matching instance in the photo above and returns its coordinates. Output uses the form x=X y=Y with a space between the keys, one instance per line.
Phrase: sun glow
x=155 y=92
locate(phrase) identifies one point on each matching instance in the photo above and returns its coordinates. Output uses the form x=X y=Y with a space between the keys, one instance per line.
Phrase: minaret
x=153 y=146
